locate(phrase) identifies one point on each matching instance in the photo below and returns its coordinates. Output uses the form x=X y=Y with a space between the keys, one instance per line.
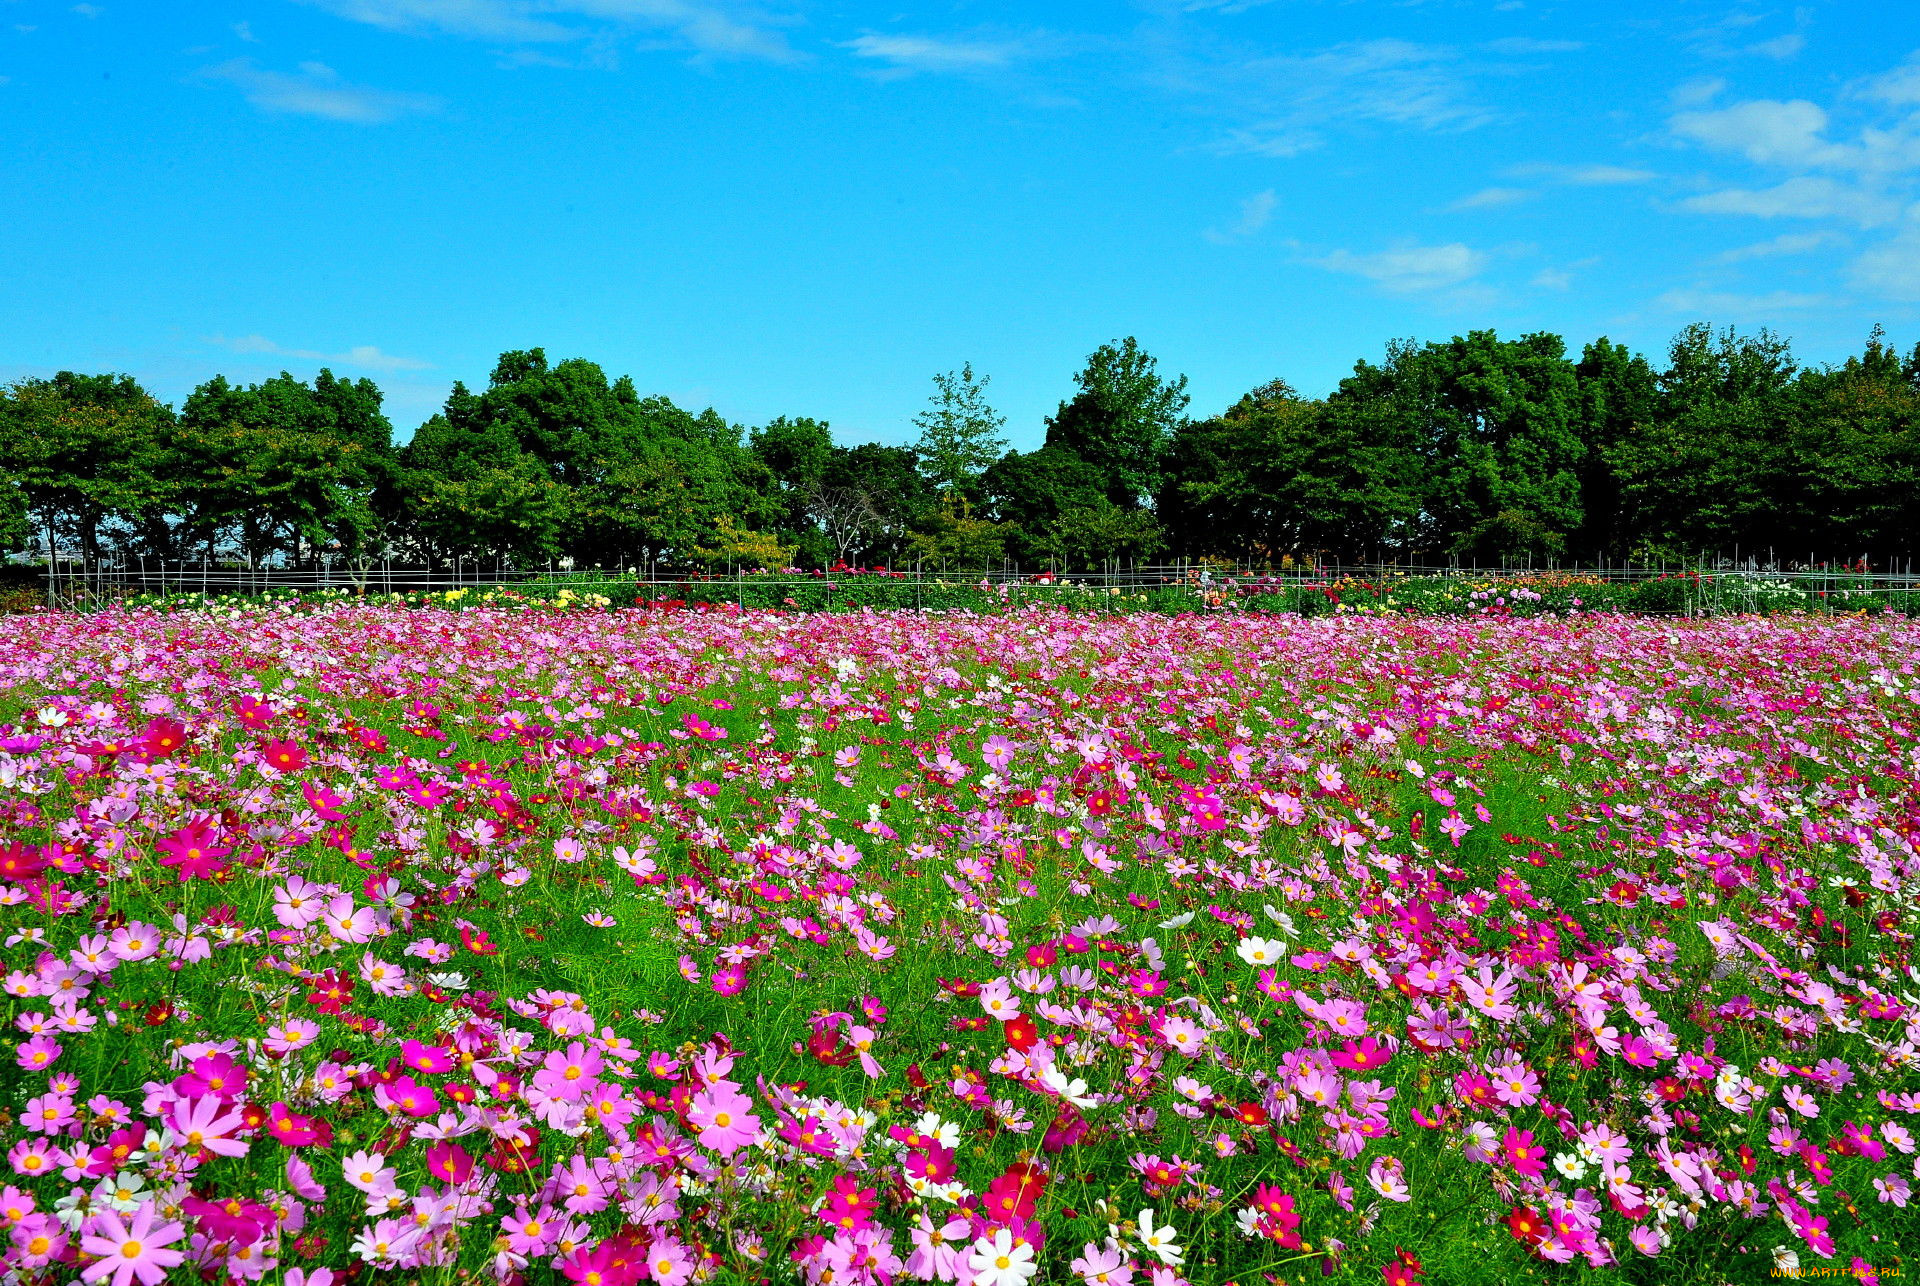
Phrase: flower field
x=483 y=945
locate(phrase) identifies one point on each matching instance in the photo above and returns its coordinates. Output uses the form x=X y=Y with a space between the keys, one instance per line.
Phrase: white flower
x=1571 y=1166
x=1163 y=1242
x=1260 y=951
x=1074 y=1091
x=1285 y=921
x=996 y=1261
x=449 y=981
x=1180 y=921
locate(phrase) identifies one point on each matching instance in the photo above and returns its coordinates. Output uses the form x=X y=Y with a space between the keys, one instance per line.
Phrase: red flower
x=1015 y=1193
x=1021 y=1032
x=162 y=738
x=1525 y=1223
x=332 y=991
x=286 y=756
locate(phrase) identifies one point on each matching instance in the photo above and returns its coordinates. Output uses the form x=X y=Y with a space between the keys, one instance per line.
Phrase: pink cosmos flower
x=206 y=1123
x=37 y=1054
x=350 y=923
x=1518 y=1150
x=127 y=1251
x=1515 y=1084
x=723 y=1118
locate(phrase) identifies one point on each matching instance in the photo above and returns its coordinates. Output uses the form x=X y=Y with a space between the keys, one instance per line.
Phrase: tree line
x=1475 y=447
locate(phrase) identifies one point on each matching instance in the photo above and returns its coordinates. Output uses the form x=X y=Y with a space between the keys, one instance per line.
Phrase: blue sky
x=807 y=207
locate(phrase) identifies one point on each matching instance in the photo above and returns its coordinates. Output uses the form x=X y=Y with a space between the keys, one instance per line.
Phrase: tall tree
x=1120 y=420
x=293 y=465
x=84 y=451
x=1029 y=494
x=1701 y=476
x=1619 y=395
x=959 y=433
x=1279 y=475
x=1849 y=484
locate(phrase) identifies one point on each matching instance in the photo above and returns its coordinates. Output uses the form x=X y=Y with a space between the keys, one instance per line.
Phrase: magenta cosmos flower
x=129 y=1251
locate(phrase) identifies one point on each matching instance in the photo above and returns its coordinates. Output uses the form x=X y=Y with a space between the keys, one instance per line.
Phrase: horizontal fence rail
x=1711 y=587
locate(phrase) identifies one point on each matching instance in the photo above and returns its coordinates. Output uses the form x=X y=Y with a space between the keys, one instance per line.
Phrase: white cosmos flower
x=1260 y=951
x=1074 y=1091
x=1162 y=1242
x=1285 y=921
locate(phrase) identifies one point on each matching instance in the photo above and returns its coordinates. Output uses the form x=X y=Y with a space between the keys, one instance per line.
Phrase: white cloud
x=1408 y=268
x=1767 y=132
x=361 y=356
x=1528 y=45
x=710 y=28
x=1552 y=279
x=1584 y=175
x=1780 y=47
x=1727 y=305
x=1787 y=243
x=1805 y=197
x=925 y=53
x=1255 y=212
x=318 y=91
x=1898 y=88
x=1289 y=101
x=1488 y=198
x=481 y=19
x=1892 y=268
x=1695 y=92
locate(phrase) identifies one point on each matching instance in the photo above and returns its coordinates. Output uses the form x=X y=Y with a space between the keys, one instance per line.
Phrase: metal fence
x=70 y=581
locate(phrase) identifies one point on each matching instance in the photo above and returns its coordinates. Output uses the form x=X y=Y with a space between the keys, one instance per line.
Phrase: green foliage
x=1120 y=421
x=1479 y=448
x=959 y=432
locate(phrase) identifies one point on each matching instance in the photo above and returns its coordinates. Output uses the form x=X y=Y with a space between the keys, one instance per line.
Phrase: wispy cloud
x=1767 y=132
x=1582 y=175
x=1255 y=212
x=1410 y=269
x=1730 y=305
x=1528 y=45
x=1892 y=268
x=710 y=28
x=1805 y=197
x=479 y=19
x=904 y=55
x=1787 y=243
x=317 y=90
x=361 y=356
x=1490 y=198
x=1780 y=47
x=1292 y=100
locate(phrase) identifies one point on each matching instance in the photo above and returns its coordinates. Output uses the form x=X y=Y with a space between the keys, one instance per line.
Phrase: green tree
x=1120 y=420
x=955 y=537
x=83 y=451
x=1280 y=475
x=1703 y=474
x=1029 y=493
x=294 y=466
x=959 y=433
x=882 y=489
x=1848 y=484
x=795 y=453
x=1619 y=395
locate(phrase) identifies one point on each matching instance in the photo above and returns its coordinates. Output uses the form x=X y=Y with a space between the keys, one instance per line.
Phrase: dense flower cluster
x=863 y=949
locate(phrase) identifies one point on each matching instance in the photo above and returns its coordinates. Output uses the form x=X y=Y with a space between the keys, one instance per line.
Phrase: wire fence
x=1712 y=584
